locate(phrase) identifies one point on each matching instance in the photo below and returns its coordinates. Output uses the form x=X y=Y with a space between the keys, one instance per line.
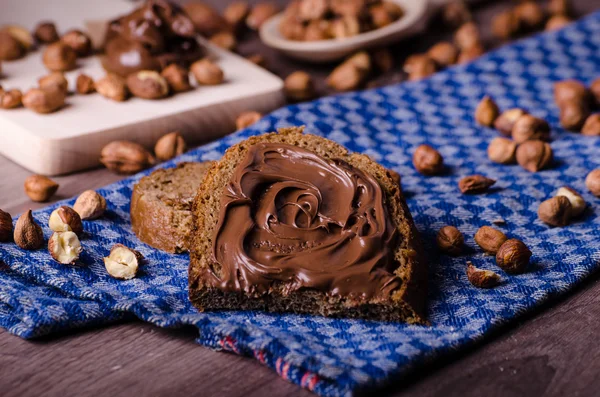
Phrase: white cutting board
x=71 y=139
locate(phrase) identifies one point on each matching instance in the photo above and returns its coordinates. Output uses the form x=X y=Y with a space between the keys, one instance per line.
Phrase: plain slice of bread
x=406 y=303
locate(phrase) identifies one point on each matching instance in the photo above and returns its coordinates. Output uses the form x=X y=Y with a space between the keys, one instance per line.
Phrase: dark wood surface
x=552 y=352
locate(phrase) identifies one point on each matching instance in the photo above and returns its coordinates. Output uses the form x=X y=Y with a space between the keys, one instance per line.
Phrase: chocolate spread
x=289 y=215
x=149 y=38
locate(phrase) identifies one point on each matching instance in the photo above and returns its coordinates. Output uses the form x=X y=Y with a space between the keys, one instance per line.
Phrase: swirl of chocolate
x=149 y=38
x=289 y=215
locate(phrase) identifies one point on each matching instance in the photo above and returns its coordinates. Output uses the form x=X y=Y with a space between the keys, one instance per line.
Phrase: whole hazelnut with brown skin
x=259 y=14
x=54 y=79
x=6 y=227
x=505 y=25
x=59 y=57
x=475 y=184
x=112 y=87
x=455 y=14
x=534 y=156
x=490 y=239
x=177 y=77
x=467 y=36
x=169 y=146
x=470 y=54
x=236 y=12
x=11 y=99
x=323 y=30
x=560 y=7
x=205 y=18
x=225 y=40
x=10 y=48
x=428 y=161
x=84 y=84
x=351 y=73
x=147 y=84
x=592 y=182
x=557 y=22
x=487 y=112
x=246 y=119
x=40 y=188
x=65 y=219
x=44 y=100
x=443 y=53
x=530 y=15
x=380 y=16
x=419 y=67
x=90 y=205
x=591 y=127
x=556 y=211
x=450 y=240
x=513 y=256
x=346 y=26
x=125 y=157
x=481 y=278
x=573 y=115
x=507 y=119
x=528 y=127
x=578 y=204
x=78 y=41
x=207 y=72
x=45 y=33
x=28 y=234
x=502 y=151
x=595 y=91
x=20 y=34
x=299 y=86
x=569 y=91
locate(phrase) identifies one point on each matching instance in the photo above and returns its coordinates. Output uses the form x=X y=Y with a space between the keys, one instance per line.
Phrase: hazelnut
x=456 y=13
x=54 y=79
x=534 y=155
x=225 y=40
x=557 y=22
x=84 y=84
x=170 y=146
x=467 y=36
x=595 y=90
x=427 y=160
x=419 y=66
x=11 y=99
x=177 y=77
x=45 y=33
x=444 y=54
x=20 y=34
x=347 y=26
x=311 y=9
x=591 y=127
x=298 y=86
x=481 y=278
x=292 y=29
x=578 y=204
x=10 y=48
x=530 y=15
x=207 y=72
x=560 y=7
x=258 y=60
x=486 y=112
x=112 y=87
x=380 y=16
x=125 y=157
x=123 y=262
x=528 y=127
x=147 y=84
x=502 y=151
x=78 y=41
x=59 y=57
x=6 y=227
x=206 y=19
x=40 y=188
x=556 y=211
x=474 y=184
x=236 y=12
x=259 y=14
x=28 y=234
x=345 y=7
x=346 y=77
x=64 y=247
x=505 y=25
x=592 y=182
x=320 y=30
x=505 y=122
x=362 y=60
x=65 y=219
x=44 y=100
x=90 y=205
x=470 y=54
x=246 y=119
x=490 y=239
x=450 y=240
x=567 y=91
x=573 y=115
x=383 y=59
x=513 y=256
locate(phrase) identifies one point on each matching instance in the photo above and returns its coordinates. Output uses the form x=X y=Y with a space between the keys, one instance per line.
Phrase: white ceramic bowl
x=414 y=18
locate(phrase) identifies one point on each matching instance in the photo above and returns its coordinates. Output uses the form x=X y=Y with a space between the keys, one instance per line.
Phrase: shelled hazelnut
x=467 y=36
x=125 y=157
x=246 y=119
x=10 y=48
x=528 y=127
x=6 y=227
x=490 y=239
x=346 y=26
x=147 y=84
x=90 y=205
x=78 y=41
x=534 y=156
x=595 y=91
x=556 y=211
x=112 y=87
x=450 y=240
x=560 y=7
x=557 y=22
x=11 y=99
x=592 y=182
x=170 y=146
x=205 y=18
x=443 y=53
x=40 y=188
x=569 y=91
x=351 y=73
x=64 y=247
x=474 y=184
x=513 y=256
x=573 y=115
x=45 y=33
x=470 y=54
x=591 y=127
x=502 y=151
x=505 y=25
x=419 y=66
x=84 y=84
x=507 y=119
x=299 y=86
x=578 y=204
x=428 y=161
x=486 y=112
x=54 y=79
x=177 y=77
x=59 y=57
x=225 y=40
x=28 y=234
x=44 y=100
x=65 y=219
x=481 y=278
x=122 y=262
x=530 y=15
x=207 y=72
x=456 y=13
x=259 y=14
x=236 y=12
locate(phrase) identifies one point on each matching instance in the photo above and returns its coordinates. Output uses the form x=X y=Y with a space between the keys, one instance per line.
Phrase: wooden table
x=554 y=353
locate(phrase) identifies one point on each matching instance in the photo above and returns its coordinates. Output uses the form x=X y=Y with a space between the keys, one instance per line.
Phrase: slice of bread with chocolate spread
x=292 y=222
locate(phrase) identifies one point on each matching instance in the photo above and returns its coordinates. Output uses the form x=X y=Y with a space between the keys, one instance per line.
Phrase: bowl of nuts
x=324 y=31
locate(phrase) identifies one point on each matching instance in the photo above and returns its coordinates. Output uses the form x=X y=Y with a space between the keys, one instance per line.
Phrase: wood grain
x=552 y=352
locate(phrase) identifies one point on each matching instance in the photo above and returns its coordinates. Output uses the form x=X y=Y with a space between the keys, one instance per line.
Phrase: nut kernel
x=505 y=122
x=59 y=57
x=490 y=239
x=578 y=204
x=502 y=151
x=64 y=247
x=40 y=188
x=65 y=219
x=125 y=157
x=513 y=256
x=90 y=205
x=474 y=184
x=147 y=84
x=122 y=262
x=177 y=77
x=246 y=119
x=207 y=72
x=169 y=146
x=481 y=278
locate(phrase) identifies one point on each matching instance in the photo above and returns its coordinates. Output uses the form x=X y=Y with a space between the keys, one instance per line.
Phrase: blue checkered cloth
x=335 y=356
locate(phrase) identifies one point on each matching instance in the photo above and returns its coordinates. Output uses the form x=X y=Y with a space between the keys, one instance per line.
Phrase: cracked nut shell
x=486 y=112
x=578 y=204
x=474 y=184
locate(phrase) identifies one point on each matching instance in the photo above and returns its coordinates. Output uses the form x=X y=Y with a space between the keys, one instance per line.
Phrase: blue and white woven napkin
x=335 y=356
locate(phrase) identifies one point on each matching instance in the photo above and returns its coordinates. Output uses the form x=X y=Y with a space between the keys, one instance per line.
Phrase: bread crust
x=408 y=303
